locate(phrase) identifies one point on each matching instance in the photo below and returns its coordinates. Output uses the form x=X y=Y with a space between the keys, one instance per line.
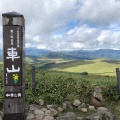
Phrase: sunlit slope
x=98 y=66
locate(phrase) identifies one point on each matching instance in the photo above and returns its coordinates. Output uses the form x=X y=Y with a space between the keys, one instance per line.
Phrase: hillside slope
x=97 y=66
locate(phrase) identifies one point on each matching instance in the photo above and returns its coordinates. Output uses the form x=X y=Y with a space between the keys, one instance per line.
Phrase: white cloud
x=100 y=12
x=85 y=37
x=36 y=39
x=78 y=45
x=48 y=23
x=82 y=34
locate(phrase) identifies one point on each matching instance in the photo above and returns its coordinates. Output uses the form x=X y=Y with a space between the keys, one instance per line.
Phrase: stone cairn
x=67 y=110
x=96 y=99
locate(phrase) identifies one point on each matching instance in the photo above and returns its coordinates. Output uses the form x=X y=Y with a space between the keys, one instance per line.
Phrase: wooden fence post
x=33 y=79
x=13 y=55
x=118 y=78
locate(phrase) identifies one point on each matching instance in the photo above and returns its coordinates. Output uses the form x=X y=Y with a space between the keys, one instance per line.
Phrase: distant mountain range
x=79 y=54
x=33 y=52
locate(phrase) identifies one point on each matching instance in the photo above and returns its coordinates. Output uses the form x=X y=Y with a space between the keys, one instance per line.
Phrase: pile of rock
x=70 y=110
x=66 y=112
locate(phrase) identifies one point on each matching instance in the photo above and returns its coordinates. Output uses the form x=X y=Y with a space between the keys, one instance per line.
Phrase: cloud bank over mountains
x=68 y=25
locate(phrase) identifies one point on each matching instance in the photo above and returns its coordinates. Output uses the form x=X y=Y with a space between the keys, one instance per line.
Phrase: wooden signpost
x=13 y=55
x=33 y=80
x=118 y=78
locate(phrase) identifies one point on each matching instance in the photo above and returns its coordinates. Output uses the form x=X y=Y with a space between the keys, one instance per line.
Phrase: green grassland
x=96 y=66
x=57 y=60
x=57 y=86
x=29 y=60
x=58 y=80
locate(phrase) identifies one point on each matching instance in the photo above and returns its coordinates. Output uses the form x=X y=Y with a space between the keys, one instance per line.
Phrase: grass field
x=56 y=86
x=97 y=66
x=57 y=60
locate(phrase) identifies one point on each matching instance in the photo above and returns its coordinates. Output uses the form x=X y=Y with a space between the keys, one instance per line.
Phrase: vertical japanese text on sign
x=12 y=57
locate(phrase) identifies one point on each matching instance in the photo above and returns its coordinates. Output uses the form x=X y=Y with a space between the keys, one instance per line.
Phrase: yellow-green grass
x=56 y=60
x=28 y=60
x=1 y=62
x=98 y=66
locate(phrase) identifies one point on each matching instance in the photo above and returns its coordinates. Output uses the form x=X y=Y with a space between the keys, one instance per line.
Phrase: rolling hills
x=78 y=54
x=103 y=61
x=97 y=66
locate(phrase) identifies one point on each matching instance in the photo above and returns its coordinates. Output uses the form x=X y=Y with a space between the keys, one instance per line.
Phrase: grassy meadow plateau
x=96 y=66
x=60 y=79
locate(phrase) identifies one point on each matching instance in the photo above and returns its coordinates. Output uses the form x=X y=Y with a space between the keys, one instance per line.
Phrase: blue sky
x=68 y=24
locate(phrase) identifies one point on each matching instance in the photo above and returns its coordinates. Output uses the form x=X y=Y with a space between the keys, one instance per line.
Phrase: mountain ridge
x=77 y=54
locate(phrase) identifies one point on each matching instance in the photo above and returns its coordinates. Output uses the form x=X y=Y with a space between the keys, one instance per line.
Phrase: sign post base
x=17 y=116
